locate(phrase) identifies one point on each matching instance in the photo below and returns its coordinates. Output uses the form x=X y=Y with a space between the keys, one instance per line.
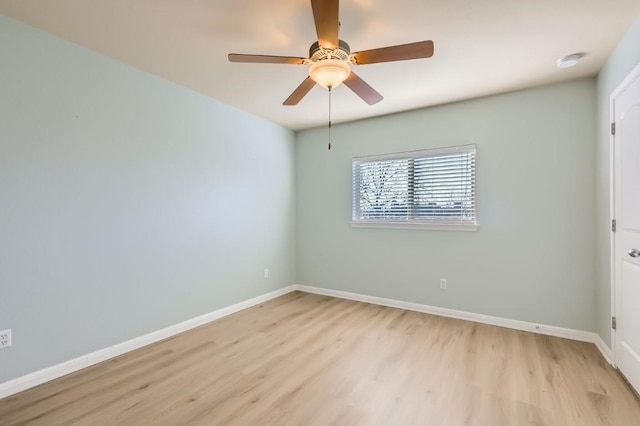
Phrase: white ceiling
x=482 y=47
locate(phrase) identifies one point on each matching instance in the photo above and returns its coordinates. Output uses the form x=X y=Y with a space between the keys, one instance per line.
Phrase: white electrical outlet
x=5 y=338
x=443 y=283
x=266 y=272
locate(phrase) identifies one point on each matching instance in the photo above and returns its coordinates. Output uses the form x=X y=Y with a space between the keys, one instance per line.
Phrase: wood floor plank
x=304 y=359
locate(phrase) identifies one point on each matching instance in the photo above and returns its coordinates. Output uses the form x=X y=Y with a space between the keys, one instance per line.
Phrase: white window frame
x=411 y=223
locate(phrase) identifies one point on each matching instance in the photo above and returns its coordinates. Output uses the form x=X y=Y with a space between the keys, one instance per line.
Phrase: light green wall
x=623 y=59
x=532 y=257
x=127 y=203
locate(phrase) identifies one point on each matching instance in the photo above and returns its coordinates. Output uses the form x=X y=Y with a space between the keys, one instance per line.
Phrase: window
x=434 y=189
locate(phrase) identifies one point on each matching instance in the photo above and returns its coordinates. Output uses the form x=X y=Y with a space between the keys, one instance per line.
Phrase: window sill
x=433 y=226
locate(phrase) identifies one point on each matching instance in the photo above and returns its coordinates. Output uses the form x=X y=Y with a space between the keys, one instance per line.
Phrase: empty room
x=355 y=212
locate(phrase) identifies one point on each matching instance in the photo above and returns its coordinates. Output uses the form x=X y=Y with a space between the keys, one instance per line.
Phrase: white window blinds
x=422 y=187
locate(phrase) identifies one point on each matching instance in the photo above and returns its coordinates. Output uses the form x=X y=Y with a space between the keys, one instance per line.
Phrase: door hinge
x=614 y=323
x=614 y=225
x=613 y=128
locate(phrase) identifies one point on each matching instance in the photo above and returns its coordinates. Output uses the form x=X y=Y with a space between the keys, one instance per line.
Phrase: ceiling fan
x=331 y=58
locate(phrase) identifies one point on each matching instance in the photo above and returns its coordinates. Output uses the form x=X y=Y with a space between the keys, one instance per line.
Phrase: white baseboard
x=549 y=330
x=605 y=350
x=41 y=376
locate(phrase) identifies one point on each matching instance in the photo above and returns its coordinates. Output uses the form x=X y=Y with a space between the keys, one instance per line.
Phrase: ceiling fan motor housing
x=318 y=53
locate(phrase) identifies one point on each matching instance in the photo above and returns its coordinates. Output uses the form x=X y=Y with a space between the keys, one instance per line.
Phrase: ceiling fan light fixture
x=330 y=58
x=329 y=73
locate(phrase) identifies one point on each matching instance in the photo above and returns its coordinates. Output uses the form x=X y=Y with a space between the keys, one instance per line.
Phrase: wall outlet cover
x=5 y=339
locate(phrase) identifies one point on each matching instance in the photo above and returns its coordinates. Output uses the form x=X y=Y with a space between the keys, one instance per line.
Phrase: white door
x=626 y=109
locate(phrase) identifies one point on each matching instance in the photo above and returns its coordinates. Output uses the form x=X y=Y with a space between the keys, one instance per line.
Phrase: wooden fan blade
x=265 y=59
x=300 y=92
x=325 y=15
x=362 y=89
x=401 y=52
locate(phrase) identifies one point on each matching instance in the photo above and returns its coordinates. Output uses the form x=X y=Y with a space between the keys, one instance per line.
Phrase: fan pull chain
x=329 y=118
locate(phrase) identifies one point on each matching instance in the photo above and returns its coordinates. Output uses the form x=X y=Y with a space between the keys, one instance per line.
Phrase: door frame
x=626 y=82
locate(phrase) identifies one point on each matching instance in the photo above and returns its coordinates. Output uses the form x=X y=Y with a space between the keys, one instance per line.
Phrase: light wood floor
x=304 y=359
